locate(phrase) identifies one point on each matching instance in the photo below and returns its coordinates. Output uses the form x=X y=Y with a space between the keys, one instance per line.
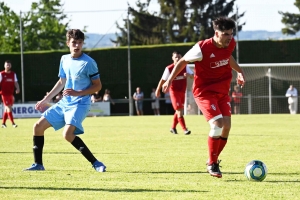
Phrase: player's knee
x=215 y=131
x=38 y=129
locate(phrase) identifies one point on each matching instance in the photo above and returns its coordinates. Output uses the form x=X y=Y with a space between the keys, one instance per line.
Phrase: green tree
x=9 y=29
x=178 y=21
x=145 y=28
x=291 y=21
x=44 y=28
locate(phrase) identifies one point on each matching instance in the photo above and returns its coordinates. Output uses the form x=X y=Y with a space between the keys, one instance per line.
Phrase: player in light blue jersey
x=78 y=78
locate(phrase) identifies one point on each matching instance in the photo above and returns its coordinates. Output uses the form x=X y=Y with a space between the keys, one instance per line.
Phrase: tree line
x=177 y=21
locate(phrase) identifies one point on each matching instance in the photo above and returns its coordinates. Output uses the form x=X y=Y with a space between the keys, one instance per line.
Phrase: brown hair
x=76 y=34
x=223 y=23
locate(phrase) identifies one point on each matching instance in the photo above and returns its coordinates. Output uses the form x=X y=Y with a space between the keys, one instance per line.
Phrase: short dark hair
x=76 y=34
x=7 y=61
x=176 y=52
x=223 y=23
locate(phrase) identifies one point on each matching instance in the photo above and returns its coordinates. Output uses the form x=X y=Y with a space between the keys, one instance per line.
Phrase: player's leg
x=7 y=100
x=177 y=99
x=208 y=106
x=224 y=106
x=38 y=143
x=73 y=128
x=10 y=115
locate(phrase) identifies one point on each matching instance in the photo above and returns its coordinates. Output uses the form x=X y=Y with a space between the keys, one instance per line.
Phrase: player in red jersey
x=177 y=92
x=213 y=73
x=8 y=83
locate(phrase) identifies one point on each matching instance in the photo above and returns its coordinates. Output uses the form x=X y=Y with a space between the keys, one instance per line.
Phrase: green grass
x=145 y=161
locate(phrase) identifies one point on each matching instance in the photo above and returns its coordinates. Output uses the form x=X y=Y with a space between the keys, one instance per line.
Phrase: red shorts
x=8 y=100
x=177 y=99
x=214 y=104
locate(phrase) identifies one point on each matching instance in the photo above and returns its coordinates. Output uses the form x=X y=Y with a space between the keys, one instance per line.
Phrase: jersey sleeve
x=61 y=72
x=93 y=71
x=194 y=54
x=166 y=74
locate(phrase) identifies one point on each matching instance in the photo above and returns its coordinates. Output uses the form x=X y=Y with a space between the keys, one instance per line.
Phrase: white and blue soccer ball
x=256 y=170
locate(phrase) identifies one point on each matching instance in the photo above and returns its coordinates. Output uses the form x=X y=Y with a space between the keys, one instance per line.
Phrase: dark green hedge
x=147 y=64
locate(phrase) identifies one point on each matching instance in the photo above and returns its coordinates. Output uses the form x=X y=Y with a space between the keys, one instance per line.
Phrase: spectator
x=292 y=95
x=107 y=97
x=155 y=102
x=236 y=97
x=138 y=96
x=96 y=97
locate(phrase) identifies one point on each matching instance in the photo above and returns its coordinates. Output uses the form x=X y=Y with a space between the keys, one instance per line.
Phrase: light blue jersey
x=78 y=73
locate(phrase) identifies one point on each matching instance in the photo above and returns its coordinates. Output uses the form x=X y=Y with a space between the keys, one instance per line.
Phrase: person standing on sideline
x=8 y=84
x=213 y=73
x=292 y=95
x=177 y=91
x=155 y=102
x=78 y=78
x=107 y=97
x=236 y=97
x=138 y=96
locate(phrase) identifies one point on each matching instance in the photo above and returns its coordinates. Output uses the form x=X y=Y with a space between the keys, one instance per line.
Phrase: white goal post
x=264 y=90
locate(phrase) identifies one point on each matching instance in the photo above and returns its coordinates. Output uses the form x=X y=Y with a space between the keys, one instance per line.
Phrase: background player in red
x=213 y=73
x=177 y=91
x=8 y=84
x=236 y=97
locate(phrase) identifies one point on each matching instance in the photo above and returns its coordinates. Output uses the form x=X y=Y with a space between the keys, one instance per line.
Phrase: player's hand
x=17 y=91
x=165 y=86
x=240 y=79
x=70 y=92
x=42 y=105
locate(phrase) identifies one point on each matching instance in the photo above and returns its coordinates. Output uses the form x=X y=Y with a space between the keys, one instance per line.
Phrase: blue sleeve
x=92 y=70
x=61 y=72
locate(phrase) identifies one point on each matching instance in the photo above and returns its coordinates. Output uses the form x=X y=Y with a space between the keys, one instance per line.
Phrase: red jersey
x=179 y=82
x=7 y=82
x=213 y=73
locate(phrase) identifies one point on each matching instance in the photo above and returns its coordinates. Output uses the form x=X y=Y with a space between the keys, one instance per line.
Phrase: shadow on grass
x=99 y=189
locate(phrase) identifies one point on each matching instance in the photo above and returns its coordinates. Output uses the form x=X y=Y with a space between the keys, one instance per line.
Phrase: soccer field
x=145 y=161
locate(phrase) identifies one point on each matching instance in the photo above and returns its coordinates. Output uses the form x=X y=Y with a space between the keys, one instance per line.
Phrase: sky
x=100 y=16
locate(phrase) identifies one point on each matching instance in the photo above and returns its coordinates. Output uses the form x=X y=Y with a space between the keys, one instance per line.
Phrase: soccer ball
x=256 y=170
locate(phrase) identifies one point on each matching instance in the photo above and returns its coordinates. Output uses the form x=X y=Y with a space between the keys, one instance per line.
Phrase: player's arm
x=17 y=87
x=240 y=74
x=157 y=91
x=59 y=86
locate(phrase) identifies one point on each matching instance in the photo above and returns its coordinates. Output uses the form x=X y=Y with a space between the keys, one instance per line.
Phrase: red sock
x=222 y=144
x=213 y=147
x=175 y=120
x=10 y=116
x=4 y=117
x=182 y=123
